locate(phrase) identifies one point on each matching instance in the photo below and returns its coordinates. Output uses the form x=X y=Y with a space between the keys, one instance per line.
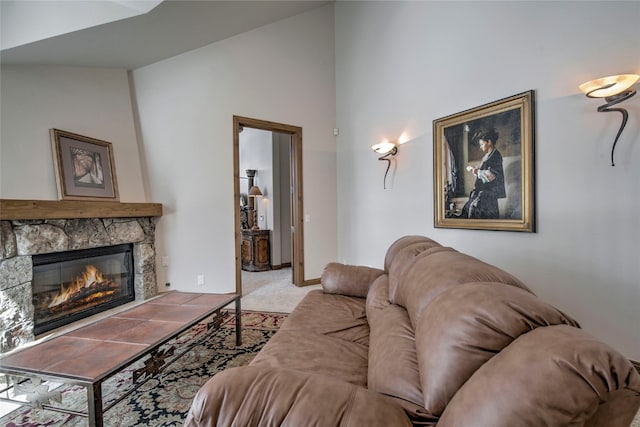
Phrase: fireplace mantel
x=71 y=209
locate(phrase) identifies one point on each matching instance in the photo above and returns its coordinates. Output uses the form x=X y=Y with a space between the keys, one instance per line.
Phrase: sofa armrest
x=262 y=396
x=552 y=376
x=349 y=280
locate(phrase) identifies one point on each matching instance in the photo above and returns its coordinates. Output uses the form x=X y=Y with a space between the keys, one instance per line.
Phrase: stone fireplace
x=23 y=240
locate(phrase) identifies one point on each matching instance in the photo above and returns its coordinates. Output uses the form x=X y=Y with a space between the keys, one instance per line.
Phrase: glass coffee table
x=92 y=354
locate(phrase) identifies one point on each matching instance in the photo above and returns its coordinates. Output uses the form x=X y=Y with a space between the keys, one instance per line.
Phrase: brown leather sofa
x=437 y=337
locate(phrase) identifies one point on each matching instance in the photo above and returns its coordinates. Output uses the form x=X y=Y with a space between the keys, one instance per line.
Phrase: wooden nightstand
x=255 y=250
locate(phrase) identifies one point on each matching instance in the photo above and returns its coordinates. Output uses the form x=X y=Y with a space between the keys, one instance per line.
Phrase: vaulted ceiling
x=127 y=33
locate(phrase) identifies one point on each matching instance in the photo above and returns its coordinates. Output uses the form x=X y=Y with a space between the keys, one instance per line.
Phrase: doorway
x=245 y=205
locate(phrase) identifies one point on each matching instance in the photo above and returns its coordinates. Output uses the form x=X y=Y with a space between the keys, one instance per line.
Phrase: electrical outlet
x=201 y=279
x=167 y=284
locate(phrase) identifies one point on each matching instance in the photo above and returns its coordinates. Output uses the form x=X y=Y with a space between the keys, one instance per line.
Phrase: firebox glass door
x=72 y=285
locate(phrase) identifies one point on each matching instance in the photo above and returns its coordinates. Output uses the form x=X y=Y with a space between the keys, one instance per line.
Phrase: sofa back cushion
x=466 y=326
x=400 y=244
x=439 y=269
x=403 y=261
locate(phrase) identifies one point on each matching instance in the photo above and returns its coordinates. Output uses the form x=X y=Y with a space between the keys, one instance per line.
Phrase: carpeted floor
x=165 y=400
x=271 y=291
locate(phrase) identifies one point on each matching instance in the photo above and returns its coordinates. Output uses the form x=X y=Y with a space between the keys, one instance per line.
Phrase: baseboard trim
x=311 y=282
x=636 y=365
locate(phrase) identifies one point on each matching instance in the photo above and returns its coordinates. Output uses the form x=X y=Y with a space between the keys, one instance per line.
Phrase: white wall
x=88 y=101
x=284 y=73
x=400 y=65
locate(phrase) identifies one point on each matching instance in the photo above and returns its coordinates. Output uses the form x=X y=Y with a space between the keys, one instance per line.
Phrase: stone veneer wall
x=19 y=240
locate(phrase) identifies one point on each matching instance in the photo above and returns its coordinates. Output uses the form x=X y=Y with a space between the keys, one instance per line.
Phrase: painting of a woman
x=489 y=183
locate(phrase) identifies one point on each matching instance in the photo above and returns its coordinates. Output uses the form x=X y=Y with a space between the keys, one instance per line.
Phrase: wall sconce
x=614 y=89
x=255 y=192
x=387 y=149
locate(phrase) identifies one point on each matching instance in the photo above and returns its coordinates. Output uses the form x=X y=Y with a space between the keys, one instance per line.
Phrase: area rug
x=165 y=399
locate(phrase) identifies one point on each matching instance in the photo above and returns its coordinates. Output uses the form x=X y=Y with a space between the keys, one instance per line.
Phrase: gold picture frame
x=484 y=166
x=84 y=166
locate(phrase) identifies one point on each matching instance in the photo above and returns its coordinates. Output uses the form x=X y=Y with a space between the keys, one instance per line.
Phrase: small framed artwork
x=85 y=169
x=484 y=166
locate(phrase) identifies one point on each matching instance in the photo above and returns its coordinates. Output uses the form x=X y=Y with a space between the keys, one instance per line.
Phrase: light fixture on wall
x=614 y=89
x=387 y=149
x=254 y=192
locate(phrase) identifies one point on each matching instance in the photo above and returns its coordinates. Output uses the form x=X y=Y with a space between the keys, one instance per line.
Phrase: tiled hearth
x=21 y=239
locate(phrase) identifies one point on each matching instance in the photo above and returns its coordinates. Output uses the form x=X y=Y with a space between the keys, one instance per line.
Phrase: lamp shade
x=255 y=191
x=608 y=86
x=383 y=147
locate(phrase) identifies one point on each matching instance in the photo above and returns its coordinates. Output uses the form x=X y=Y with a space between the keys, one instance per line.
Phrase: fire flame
x=90 y=276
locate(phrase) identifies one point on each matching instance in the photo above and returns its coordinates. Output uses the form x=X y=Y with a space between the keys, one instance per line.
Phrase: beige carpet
x=271 y=291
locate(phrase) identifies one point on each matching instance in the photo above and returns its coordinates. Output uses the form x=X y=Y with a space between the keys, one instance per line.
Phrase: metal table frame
x=158 y=360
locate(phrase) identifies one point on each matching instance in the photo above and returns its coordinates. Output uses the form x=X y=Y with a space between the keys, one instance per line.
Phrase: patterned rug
x=165 y=399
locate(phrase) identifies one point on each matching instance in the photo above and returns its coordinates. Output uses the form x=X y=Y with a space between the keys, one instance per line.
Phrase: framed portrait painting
x=85 y=169
x=484 y=166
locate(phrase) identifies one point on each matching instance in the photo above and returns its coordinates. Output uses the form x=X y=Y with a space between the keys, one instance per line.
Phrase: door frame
x=297 y=234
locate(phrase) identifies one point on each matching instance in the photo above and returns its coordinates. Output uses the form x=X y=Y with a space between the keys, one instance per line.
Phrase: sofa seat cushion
x=251 y=396
x=337 y=316
x=466 y=326
x=326 y=334
x=310 y=352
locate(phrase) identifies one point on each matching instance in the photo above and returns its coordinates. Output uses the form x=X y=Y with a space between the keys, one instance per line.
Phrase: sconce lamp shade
x=384 y=147
x=255 y=191
x=605 y=87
